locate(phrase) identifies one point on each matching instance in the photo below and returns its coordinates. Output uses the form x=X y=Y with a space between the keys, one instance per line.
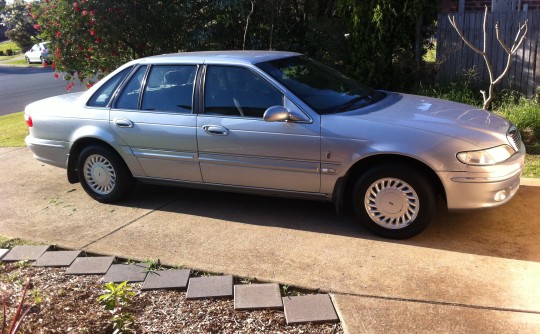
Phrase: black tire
x=27 y=59
x=394 y=202
x=103 y=174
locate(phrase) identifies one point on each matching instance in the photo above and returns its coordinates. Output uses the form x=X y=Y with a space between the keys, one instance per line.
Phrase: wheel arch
x=76 y=149
x=344 y=187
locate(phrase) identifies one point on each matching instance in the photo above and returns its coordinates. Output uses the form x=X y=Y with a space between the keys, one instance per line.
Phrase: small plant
x=115 y=299
x=19 y=316
x=153 y=265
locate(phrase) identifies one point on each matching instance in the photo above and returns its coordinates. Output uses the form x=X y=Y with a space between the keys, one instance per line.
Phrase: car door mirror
x=276 y=114
x=282 y=114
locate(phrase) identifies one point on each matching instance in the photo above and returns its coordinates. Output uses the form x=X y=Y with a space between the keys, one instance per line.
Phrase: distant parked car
x=37 y=54
x=278 y=123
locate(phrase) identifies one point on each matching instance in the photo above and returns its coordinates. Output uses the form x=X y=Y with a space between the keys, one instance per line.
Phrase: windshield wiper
x=347 y=105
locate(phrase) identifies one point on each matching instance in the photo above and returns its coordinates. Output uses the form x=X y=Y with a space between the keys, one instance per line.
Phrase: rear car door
x=237 y=147
x=153 y=114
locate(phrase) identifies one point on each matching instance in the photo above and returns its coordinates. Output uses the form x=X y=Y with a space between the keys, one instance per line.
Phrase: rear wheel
x=103 y=174
x=394 y=201
x=27 y=59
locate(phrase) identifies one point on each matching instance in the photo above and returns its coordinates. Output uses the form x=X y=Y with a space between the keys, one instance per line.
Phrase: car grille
x=514 y=137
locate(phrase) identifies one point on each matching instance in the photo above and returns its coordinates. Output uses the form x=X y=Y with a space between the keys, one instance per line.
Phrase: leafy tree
x=383 y=38
x=19 y=24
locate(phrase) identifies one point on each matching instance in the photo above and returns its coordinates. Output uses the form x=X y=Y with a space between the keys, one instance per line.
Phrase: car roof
x=230 y=57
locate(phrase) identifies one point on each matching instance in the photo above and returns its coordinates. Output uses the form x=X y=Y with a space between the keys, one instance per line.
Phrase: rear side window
x=169 y=89
x=103 y=95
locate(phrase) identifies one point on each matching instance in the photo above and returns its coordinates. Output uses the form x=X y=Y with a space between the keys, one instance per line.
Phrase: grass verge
x=13 y=130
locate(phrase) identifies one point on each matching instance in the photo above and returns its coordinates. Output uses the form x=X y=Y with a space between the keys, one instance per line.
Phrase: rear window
x=103 y=95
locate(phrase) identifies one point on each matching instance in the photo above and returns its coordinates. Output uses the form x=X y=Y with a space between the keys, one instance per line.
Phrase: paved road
x=20 y=86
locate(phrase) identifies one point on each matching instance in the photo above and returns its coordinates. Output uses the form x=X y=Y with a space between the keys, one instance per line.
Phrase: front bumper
x=483 y=187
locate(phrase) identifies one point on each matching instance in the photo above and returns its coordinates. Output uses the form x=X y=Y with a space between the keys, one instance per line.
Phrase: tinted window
x=236 y=91
x=103 y=95
x=323 y=88
x=129 y=98
x=169 y=89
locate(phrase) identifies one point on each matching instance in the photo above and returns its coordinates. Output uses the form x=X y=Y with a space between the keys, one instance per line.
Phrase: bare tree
x=518 y=41
x=247 y=24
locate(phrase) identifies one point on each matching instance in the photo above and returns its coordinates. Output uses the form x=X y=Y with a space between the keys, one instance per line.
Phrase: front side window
x=169 y=89
x=236 y=91
x=129 y=98
x=104 y=93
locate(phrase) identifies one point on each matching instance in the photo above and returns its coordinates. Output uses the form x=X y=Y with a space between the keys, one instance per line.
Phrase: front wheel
x=103 y=174
x=27 y=59
x=394 y=201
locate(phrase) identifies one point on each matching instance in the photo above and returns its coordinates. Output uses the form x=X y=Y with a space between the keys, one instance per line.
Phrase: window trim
x=123 y=86
x=115 y=91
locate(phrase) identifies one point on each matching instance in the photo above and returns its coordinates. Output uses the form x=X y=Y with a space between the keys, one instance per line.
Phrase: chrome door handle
x=123 y=123
x=216 y=130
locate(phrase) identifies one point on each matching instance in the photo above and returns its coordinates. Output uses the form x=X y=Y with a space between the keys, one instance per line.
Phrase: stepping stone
x=311 y=308
x=257 y=296
x=90 y=265
x=210 y=287
x=167 y=279
x=57 y=259
x=3 y=252
x=135 y=272
x=25 y=253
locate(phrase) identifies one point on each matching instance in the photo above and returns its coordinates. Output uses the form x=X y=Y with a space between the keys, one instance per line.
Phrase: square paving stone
x=210 y=287
x=310 y=308
x=94 y=265
x=257 y=296
x=57 y=259
x=135 y=272
x=3 y=252
x=167 y=279
x=25 y=253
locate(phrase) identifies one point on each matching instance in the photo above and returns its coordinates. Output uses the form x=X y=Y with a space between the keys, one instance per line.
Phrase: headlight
x=490 y=156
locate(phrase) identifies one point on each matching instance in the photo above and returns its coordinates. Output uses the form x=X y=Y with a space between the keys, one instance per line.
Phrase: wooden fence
x=454 y=57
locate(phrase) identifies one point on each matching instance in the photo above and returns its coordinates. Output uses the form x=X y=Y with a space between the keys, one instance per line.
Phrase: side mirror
x=276 y=114
x=282 y=114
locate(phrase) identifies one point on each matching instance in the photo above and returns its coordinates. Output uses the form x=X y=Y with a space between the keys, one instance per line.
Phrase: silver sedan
x=278 y=123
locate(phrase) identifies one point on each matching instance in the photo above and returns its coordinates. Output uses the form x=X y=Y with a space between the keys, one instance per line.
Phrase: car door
x=237 y=147
x=153 y=114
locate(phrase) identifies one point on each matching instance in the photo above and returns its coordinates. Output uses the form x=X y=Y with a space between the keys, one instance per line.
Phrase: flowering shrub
x=75 y=32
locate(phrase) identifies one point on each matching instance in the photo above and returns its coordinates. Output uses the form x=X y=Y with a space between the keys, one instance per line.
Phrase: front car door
x=237 y=147
x=153 y=114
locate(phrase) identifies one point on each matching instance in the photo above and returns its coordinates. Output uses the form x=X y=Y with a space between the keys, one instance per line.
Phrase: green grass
x=532 y=166
x=4 y=46
x=13 y=130
x=7 y=242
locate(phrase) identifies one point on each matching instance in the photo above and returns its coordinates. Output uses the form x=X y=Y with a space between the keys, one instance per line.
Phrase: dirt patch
x=69 y=304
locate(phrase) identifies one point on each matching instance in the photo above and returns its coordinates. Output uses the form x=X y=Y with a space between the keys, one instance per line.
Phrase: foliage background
x=370 y=40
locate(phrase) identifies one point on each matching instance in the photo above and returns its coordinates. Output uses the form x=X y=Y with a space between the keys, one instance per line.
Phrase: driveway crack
x=130 y=222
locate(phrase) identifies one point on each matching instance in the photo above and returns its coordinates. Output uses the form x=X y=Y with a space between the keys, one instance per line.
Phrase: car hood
x=465 y=122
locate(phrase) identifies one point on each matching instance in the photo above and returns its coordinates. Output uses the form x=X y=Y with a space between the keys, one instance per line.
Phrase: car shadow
x=511 y=231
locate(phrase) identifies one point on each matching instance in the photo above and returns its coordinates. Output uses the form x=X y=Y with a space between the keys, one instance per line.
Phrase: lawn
x=13 y=130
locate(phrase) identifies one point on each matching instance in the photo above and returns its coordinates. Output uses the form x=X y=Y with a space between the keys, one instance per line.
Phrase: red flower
x=98 y=40
x=92 y=32
x=56 y=75
x=92 y=12
x=53 y=66
x=58 y=33
x=75 y=4
x=89 y=85
x=36 y=26
x=84 y=12
x=90 y=49
x=44 y=64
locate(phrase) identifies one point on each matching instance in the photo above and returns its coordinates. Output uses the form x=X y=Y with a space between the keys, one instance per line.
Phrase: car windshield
x=323 y=88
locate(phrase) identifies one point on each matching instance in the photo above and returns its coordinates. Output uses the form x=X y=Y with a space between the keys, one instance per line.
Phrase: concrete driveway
x=468 y=272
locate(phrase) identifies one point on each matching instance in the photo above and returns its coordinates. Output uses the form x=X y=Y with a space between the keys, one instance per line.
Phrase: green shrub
x=461 y=91
x=525 y=114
